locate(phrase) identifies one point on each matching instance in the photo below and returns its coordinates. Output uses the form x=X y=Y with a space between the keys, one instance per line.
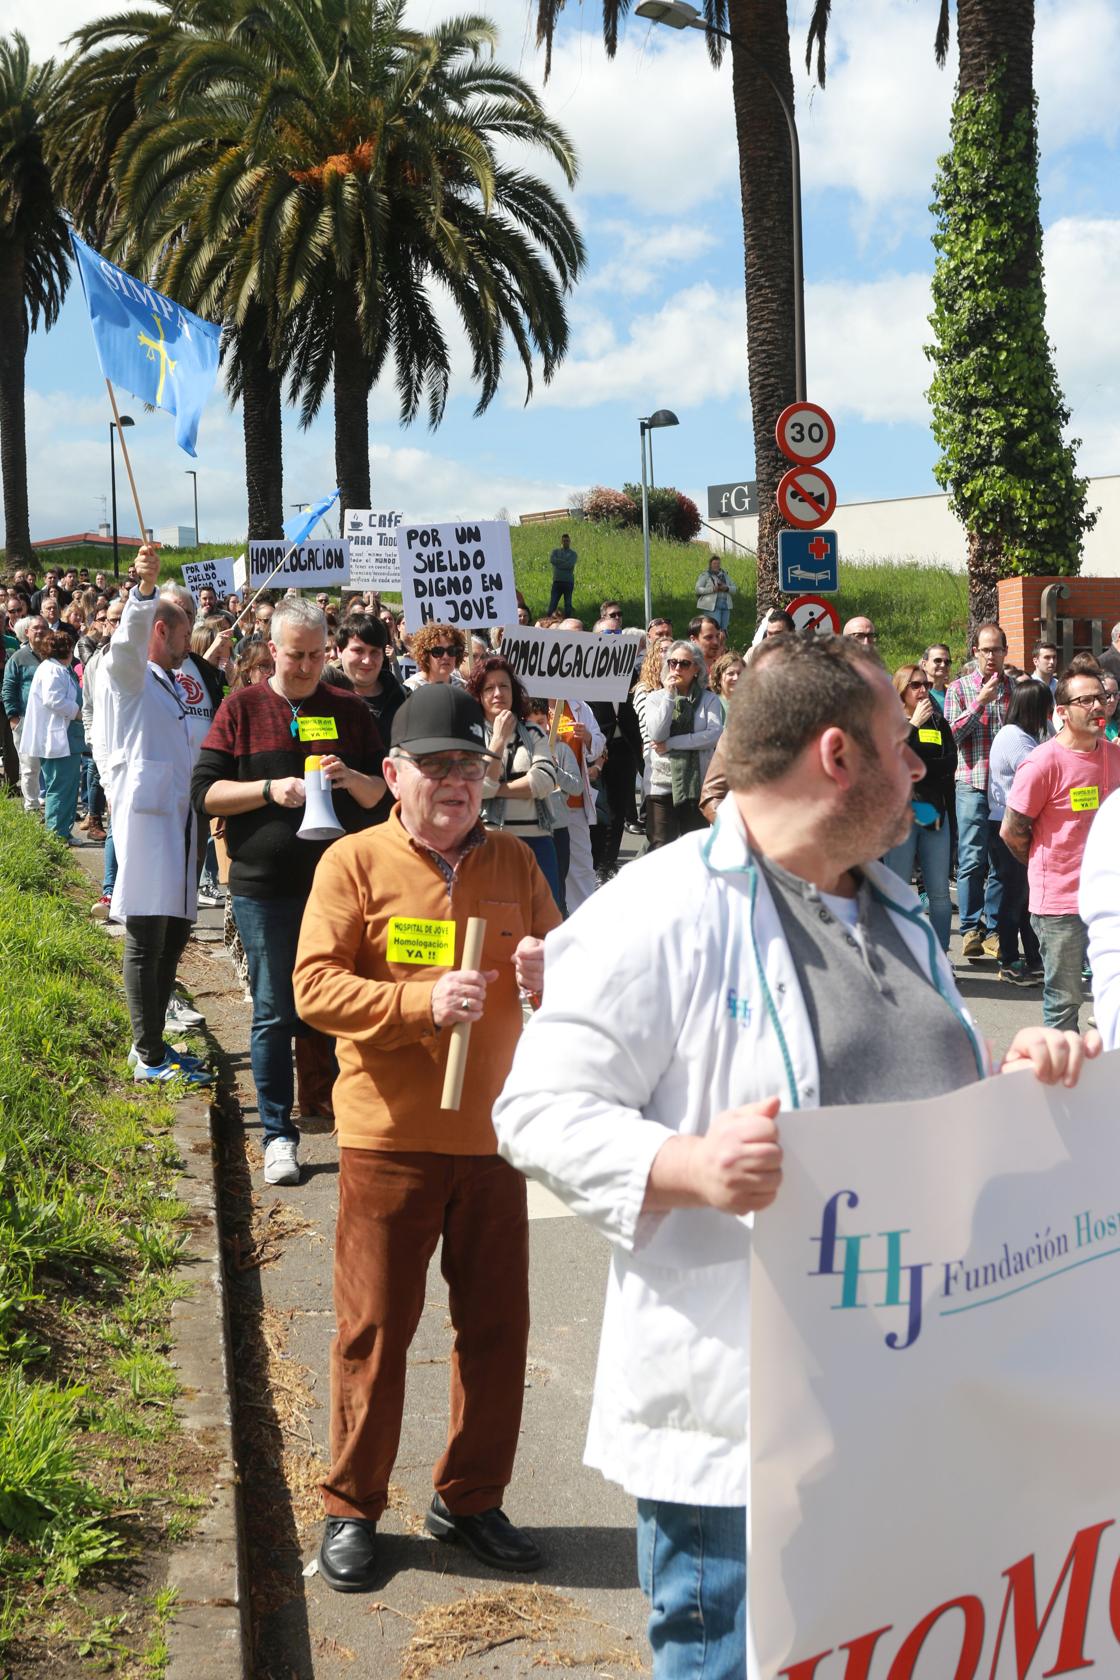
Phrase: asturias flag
x=153 y=347
x=299 y=527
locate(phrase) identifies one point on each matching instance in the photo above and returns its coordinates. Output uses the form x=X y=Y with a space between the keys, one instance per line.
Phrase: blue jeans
x=1065 y=943
x=720 y=610
x=692 y=1568
x=269 y=929
x=931 y=847
x=1014 y=924
x=561 y=591
x=978 y=887
x=543 y=848
x=110 y=879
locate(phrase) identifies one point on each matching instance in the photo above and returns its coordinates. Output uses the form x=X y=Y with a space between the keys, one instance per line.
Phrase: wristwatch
x=266 y=791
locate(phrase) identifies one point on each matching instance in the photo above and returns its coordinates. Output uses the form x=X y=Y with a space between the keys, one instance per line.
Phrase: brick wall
x=1090 y=599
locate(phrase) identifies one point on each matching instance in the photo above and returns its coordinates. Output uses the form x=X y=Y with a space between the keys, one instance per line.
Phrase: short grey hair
x=182 y=597
x=301 y=614
x=695 y=653
x=1115 y=634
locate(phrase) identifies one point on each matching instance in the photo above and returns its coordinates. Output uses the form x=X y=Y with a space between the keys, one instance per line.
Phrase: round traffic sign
x=805 y=433
x=810 y=612
x=806 y=497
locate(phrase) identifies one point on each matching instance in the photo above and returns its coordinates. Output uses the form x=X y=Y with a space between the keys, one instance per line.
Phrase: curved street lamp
x=660 y=417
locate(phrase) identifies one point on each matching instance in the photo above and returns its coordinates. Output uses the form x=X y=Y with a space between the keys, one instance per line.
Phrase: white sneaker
x=281 y=1162
x=181 y=1016
x=208 y=900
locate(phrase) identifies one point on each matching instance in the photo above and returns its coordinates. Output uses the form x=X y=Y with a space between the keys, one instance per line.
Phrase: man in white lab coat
x=149 y=760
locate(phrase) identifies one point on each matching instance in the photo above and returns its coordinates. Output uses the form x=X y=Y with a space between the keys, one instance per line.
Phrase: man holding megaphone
x=281 y=815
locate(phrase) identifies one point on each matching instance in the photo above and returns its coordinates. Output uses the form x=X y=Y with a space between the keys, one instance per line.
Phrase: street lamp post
x=678 y=14
x=126 y=420
x=191 y=473
x=662 y=417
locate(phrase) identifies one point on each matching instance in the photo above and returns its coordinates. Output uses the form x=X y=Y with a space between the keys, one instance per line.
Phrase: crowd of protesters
x=797 y=771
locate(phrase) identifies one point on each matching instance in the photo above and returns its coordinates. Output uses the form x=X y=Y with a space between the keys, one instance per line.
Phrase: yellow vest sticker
x=933 y=736
x=431 y=944
x=318 y=729
x=1084 y=799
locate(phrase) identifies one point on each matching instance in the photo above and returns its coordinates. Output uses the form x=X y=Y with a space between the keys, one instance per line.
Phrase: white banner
x=311 y=565
x=573 y=664
x=935 y=1390
x=210 y=574
x=372 y=535
x=457 y=574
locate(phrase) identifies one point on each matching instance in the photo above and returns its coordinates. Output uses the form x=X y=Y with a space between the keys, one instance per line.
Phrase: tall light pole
x=678 y=14
x=662 y=417
x=126 y=420
x=191 y=473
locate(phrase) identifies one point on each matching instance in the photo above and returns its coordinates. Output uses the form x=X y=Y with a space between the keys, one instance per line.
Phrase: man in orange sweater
x=381 y=935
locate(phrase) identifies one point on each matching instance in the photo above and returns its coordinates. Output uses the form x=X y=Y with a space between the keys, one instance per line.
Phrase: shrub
x=612 y=507
x=671 y=515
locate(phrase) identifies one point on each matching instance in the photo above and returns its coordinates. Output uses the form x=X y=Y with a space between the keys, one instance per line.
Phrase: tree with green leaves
x=34 y=262
x=998 y=414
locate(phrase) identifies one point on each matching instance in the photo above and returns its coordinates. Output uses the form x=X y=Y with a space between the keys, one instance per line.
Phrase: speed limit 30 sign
x=805 y=433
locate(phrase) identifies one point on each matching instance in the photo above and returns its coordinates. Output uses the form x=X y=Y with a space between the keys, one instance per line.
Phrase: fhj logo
x=963 y=1284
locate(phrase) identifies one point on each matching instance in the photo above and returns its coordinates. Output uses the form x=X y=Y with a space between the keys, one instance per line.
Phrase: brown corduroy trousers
x=392 y=1210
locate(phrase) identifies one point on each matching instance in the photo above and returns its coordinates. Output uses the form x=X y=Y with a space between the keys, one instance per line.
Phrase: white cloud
x=1082 y=259
x=864 y=346
x=1077 y=45
x=430 y=486
x=642 y=254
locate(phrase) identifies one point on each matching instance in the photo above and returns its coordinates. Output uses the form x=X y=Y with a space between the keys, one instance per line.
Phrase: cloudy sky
x=659 y=320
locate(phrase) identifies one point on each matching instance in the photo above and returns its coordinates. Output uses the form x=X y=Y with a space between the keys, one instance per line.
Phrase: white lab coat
x=1099 y=907
x=52 y=705
x=651 y=1026
x=147 y=749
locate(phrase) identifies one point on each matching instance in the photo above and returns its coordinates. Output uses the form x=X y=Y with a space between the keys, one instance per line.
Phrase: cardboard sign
x=935 y=1488
x=573 y=664
x=217 y=575
x=457 y=574
x=374 y=563
x=1085 y=799
x=318 y=728
x=310 y=565
x=430 y=944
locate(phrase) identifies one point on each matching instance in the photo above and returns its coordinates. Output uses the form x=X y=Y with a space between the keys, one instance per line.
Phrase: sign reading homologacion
x=310 y=565
x=573 y=664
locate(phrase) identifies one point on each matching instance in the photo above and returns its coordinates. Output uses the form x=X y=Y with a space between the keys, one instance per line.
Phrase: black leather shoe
x=348 y=1554
x=488 y=1534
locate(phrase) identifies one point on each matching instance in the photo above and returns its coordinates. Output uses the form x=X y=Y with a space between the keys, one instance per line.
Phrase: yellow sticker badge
x=933 y=736
x=1084 y=799
x=431 y=944
x=318 y=729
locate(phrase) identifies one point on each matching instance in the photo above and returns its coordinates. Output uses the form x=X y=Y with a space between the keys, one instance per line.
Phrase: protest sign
x=309 y=565
x=457 y=574
x=935 y=1384
x=572 y=664
x=372 y=536
x=210 y=574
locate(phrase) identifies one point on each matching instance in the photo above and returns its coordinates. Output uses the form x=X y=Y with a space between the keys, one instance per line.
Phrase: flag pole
x=127 y=462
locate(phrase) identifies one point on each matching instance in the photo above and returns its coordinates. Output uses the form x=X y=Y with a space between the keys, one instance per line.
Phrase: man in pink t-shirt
x=1054 y=798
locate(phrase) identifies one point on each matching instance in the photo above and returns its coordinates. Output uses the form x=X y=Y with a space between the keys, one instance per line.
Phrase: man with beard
x=785 y=968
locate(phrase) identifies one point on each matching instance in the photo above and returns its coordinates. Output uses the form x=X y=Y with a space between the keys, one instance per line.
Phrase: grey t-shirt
x=883 y=1032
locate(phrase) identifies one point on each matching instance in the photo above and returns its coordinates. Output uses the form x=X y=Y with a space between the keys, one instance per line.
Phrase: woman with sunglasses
x=437 y=650
x=682 y=722
x=516 y=792
x=928 y=839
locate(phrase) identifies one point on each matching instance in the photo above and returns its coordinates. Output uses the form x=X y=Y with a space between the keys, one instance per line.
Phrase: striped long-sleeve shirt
x=974 y=726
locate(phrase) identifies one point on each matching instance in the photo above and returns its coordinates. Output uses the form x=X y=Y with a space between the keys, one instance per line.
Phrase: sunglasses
x=612 y=615
x=441 y=653
x=680 y=664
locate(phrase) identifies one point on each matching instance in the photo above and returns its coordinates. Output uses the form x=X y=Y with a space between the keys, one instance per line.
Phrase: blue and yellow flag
x=151 y=346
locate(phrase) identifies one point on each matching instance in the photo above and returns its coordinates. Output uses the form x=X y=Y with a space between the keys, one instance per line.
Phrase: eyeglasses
x=939 y=659
x=680 y=664
x=437 y=768
x=441 y=653
x=917 y=684
x=864 y=636
x=1087 y=700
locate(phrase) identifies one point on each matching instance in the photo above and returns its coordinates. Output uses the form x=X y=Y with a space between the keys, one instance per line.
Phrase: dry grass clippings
x=445 y=1634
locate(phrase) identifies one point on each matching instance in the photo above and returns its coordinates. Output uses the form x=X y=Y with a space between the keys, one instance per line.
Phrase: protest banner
x=372 y=536
x=573 y=664
x=935 y=1386
x=457 y=574
x=217 y=575
x=305 y=565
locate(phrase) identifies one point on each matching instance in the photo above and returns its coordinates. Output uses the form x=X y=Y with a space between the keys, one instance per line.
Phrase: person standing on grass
x=52 y=732
x=976 y=706
x=148 y=756
x=714 y=590
x=19 y=673
x=1053 y=804
x=563 y=563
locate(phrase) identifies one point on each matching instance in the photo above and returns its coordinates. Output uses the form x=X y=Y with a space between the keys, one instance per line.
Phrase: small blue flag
x=299 y=527
x=151 y=346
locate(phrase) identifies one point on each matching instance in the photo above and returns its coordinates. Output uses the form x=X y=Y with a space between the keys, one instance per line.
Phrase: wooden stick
x=461 y=1031
x=127 y=462
x=554 y=726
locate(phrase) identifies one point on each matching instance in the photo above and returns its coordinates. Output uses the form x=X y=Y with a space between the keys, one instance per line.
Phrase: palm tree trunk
x=13 y=425
x=351 y=403
x=766 y=185
x=261 y=420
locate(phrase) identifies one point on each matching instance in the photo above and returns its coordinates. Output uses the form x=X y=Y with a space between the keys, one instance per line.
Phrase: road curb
x=207 y=1638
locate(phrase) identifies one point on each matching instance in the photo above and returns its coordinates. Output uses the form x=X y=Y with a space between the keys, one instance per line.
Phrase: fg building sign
x=727 y=500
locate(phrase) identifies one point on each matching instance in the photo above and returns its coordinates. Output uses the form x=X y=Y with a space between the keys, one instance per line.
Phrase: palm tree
x=765 y=189
x=338 y=173
x=34 y=262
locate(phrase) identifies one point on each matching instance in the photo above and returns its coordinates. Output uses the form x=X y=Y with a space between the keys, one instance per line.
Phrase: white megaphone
x=319 y=821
